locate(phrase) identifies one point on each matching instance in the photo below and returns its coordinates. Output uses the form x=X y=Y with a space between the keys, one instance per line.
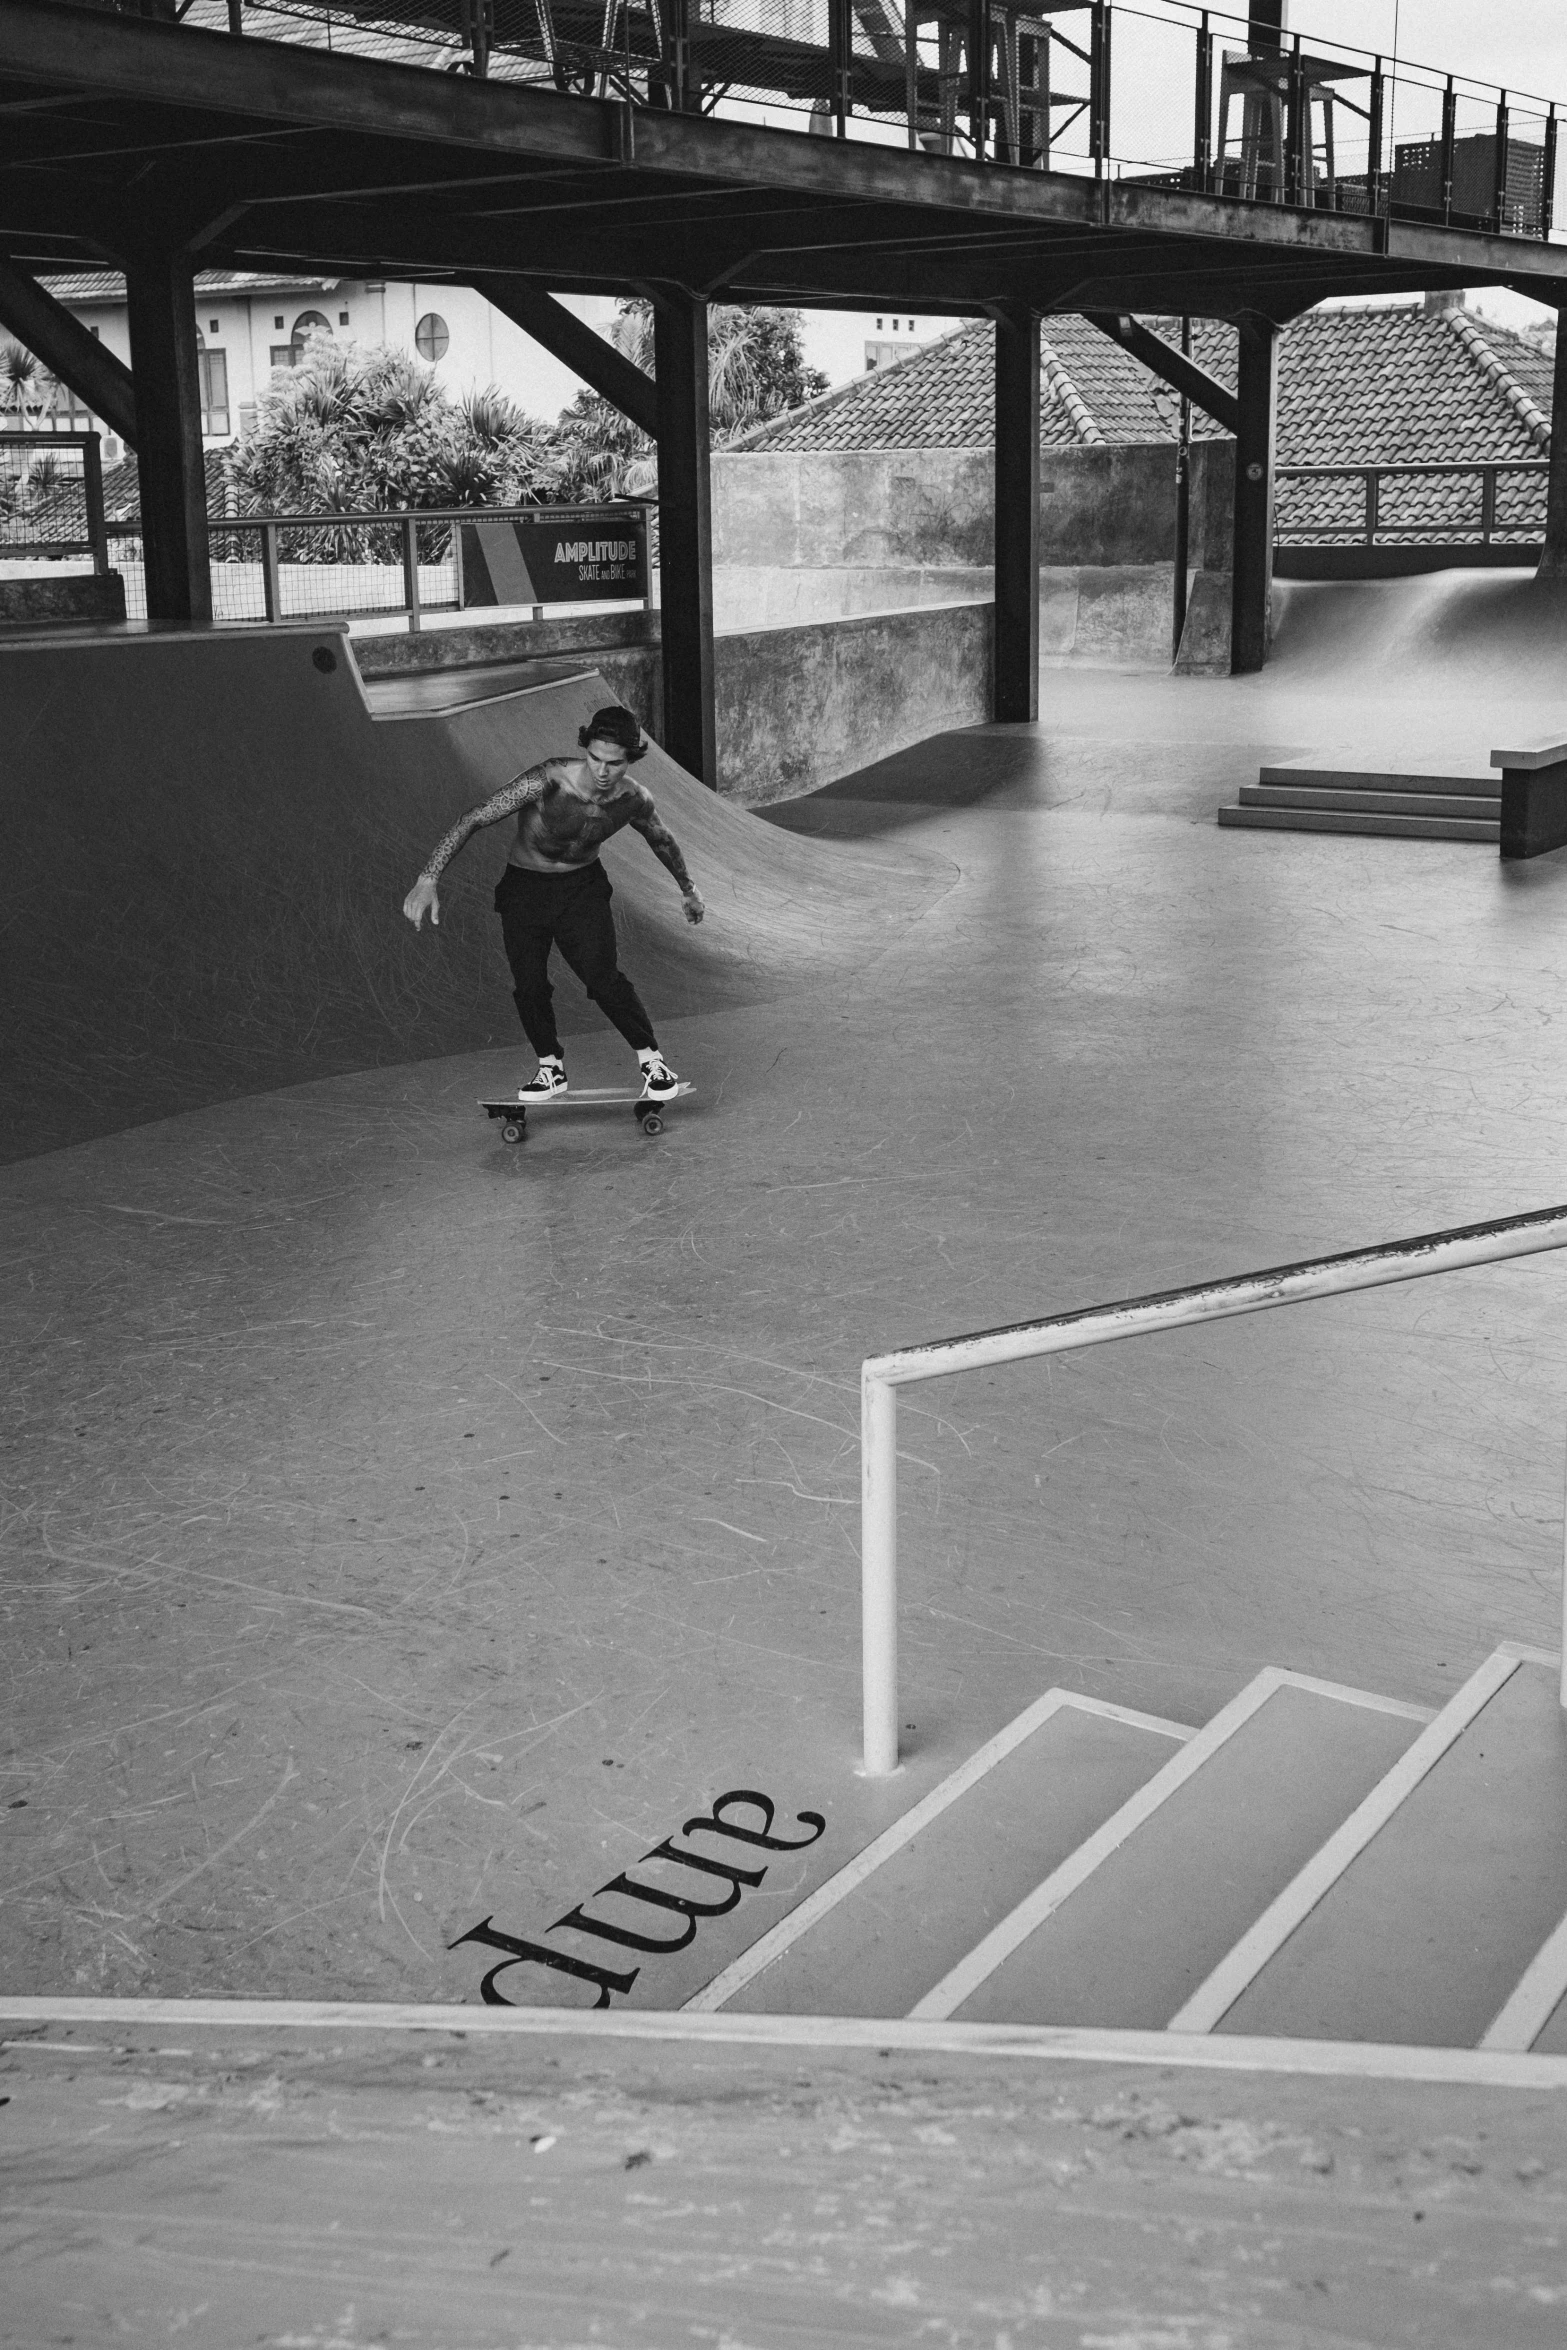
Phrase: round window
x=432 y=340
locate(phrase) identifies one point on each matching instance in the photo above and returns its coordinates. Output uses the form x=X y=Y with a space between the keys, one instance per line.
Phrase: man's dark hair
x=615 y=725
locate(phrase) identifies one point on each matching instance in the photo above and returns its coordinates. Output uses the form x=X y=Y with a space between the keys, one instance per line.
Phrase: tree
x=352 y=431
x=756 y=370
x=26 y=387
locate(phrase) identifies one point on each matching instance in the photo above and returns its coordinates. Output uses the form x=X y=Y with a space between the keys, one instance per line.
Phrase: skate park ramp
x=211 y=834
x=1427 y=673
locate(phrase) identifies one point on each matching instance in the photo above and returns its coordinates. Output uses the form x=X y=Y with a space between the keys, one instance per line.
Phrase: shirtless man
x=554 y=891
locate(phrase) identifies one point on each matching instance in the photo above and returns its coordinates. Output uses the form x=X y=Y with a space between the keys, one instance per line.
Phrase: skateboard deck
x=514 y=1114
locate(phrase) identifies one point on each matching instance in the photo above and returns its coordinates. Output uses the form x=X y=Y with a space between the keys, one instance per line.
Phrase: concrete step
x=1484 y=784
x=874 y=1938
x=1369 y=803
x=1125 y=1931
x=1387 y=827
x=1421 y=1931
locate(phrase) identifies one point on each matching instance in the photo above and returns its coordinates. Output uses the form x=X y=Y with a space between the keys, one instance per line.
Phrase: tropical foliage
x=756 y=369
x=351 y=430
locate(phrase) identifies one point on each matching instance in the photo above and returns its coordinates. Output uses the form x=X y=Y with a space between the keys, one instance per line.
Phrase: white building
x=250 y=324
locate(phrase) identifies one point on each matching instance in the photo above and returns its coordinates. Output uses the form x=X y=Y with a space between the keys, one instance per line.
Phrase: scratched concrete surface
x=328 y=2192
x=404 y=1531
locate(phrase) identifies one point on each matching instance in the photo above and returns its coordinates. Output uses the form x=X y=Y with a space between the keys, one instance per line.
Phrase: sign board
x=556 y=555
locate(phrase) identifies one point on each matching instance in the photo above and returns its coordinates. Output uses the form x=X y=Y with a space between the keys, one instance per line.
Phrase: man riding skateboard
x=555 y=892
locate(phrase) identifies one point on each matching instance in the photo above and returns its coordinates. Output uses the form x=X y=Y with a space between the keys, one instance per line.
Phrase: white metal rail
x=1249 y=1293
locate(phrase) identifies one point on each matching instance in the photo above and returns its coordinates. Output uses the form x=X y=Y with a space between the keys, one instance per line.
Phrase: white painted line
x=964 y=1979
x=982 y=1961
x=1225 y=2052
x=788 y=1930
x=1530 y=1656
x=1540 y=1992
x=1369 y=1700
x=1214 y=1998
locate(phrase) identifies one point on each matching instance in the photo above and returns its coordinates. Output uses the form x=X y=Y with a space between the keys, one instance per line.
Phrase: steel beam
x=685 y=531
x=1553 y=555
x=1015 y=689
x=1252 y=582
x=576 y=346
x=1161 y=359
x=161 y=306
x=99 y=380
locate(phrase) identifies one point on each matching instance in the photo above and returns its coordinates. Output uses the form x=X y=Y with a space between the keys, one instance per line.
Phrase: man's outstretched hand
x=693 y=906
x=424 y=899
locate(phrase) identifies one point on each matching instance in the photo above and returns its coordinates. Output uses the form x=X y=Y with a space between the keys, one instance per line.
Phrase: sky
x=1519 y=44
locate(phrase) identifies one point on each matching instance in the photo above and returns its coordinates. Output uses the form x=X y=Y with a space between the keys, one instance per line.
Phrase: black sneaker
x=658 y=1080
x=551 y=1079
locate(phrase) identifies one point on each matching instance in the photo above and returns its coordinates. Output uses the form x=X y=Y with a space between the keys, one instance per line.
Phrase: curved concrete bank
x=210 y=835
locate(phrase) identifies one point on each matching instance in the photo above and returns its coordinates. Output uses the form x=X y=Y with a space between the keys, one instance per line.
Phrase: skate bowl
x=1450 y=663
x=211 y=834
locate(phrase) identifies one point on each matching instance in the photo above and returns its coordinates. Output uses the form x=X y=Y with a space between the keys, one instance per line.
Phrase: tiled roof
x=108 y=285
x=1355 y=387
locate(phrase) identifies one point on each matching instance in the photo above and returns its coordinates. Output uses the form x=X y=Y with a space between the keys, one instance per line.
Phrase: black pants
x=571 y=911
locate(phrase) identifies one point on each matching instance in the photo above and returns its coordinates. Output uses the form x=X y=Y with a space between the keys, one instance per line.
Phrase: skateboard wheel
x=512 y=1130
x=652 y=1123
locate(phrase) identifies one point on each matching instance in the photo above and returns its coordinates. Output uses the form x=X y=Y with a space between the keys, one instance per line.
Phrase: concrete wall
x=803 y=538
x=896 y=510
x=885 y=508
x=797 y=707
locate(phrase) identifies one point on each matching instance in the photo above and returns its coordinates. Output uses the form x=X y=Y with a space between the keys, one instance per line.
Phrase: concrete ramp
x=210 y=835
x=1480 y=641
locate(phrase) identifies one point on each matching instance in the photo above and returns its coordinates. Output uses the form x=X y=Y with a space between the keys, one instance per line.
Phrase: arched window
x=308 y=323
x=432 y=337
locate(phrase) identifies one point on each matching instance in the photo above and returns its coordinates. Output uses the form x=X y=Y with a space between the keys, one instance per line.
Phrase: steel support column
x=685 y=531
x=1252 y=584
x=1015 y=693
x=1553 y=555
x=161 y=311
x=72 y=355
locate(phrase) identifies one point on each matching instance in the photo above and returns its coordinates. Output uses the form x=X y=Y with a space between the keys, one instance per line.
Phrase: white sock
x=646 y=1053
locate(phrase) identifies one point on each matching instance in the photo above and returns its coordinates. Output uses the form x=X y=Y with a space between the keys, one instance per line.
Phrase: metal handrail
x=1173 y=1309
x=1372 y=531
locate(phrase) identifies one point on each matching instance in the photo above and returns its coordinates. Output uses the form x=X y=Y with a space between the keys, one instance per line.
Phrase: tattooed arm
x=666 y=849
x=424 y=896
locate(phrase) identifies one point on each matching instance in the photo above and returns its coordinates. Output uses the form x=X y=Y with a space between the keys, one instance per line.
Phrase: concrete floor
x=333 y=2191
x=406 y=1531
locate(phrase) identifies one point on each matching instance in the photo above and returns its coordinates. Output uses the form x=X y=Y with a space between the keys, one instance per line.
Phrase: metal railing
x=1173 y=94
x=1250 y=1293
x=409 y=561
x=51 y=498
x=1491 y=503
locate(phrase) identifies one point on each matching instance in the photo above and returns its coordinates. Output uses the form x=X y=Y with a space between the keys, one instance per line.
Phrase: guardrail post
x=1202 y=127
x=840 y=39
x=1487 y=504
x=1374 y=143
x=92 y=491
x=1099 y=89
x=411 y=572
x=979 y=76
x=1295 y=129
x=1548 y=177
x=1499 y=188
x=879 y=1571
x=1449 y=137
x=1373 y=505
x=236 y=16
x=271 y=601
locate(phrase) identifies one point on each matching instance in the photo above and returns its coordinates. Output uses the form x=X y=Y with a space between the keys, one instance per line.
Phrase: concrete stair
x=1302 y=795
x=1317 y=1862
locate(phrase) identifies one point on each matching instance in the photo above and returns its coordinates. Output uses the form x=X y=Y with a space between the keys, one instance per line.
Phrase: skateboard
x=649 y=1115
